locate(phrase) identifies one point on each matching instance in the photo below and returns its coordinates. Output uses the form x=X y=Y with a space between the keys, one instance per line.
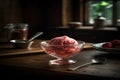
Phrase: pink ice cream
x=63 y=46
x=63 y=41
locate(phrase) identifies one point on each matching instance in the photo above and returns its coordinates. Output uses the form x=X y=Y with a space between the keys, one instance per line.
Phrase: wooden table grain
x=37 y=66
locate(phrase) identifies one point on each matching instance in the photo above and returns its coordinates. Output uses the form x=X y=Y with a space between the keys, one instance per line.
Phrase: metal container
x=21 y=44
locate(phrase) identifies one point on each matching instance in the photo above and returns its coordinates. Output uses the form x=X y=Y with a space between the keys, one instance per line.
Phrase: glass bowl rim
x=79 y=43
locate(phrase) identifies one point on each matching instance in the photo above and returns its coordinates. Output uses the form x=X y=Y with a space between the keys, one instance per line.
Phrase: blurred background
x=53 y=18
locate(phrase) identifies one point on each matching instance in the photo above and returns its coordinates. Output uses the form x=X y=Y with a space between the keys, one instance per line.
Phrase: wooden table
x=36 y=65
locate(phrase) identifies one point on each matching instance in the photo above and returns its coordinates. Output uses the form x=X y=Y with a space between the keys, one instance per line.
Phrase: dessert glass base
x=61 y=62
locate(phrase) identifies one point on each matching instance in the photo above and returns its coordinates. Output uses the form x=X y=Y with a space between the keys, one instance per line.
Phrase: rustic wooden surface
x=37 y=66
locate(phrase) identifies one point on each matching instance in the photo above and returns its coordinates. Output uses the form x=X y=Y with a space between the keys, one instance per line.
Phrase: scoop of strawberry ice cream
x=63 y=41
x=63 y=45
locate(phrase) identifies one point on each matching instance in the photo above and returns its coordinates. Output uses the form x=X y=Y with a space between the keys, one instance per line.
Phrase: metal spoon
x=99 y=60
x=34 y=36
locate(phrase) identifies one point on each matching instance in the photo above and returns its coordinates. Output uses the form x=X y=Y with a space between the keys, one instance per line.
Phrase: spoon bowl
x=21 y=44
x=99 y=60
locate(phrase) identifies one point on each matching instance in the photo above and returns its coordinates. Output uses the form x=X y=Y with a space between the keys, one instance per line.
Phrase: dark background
x=47 y=16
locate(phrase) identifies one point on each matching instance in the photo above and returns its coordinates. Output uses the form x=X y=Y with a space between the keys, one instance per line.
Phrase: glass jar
x=19 y=31
x=99 y=22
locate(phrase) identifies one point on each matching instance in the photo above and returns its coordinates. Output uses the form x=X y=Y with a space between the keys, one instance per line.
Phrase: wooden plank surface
x=40 y=63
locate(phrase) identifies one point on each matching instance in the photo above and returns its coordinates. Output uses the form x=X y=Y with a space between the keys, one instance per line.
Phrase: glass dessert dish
x=61 y=52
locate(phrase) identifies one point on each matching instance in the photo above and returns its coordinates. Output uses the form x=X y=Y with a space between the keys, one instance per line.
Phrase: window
x=109 y=9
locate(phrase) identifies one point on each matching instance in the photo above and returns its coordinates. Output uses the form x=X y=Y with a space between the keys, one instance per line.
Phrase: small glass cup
x=62 y=53
x=19 y=31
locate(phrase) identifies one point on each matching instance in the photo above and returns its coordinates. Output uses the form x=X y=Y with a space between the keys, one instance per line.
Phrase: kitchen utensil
x=93 y=61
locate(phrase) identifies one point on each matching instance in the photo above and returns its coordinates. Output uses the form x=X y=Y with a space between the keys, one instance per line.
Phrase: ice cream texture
x=63 y=41
x=63 y=46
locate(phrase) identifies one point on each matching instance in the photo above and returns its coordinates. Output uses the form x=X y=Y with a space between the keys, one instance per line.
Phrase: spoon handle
x=79 y=66
x=36 y=35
